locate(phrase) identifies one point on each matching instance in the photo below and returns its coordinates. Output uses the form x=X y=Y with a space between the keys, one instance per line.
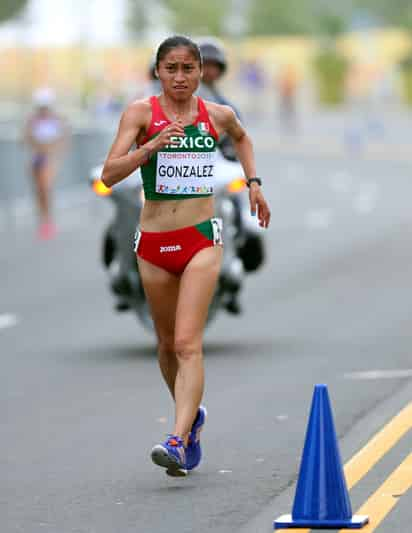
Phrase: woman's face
x=179 y=73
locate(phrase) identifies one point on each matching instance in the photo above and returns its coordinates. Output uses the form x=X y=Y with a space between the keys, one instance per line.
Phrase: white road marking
x=366 y=199
x=318 y=218
x=225 y=471
x=8 y=321
x=281 y=418
x=162 y=420
x=379 y=374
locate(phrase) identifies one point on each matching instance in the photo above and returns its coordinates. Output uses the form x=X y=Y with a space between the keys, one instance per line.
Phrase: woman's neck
x=178 y=108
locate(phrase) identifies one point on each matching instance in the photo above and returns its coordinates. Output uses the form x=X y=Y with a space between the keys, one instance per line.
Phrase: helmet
x=44 y=97
x=212 y=50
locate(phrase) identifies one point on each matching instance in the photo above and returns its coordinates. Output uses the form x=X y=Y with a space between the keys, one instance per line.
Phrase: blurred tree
x=269 y=17
x=259 y=17
x=406 y=78
x=397 y=12
x=183 y=16
x=137 y=19
x=330 y=24
x=198 y=18
x=330 y=66
x=11 y=8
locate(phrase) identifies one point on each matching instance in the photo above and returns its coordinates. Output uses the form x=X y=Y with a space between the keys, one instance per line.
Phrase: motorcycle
x=243 y=250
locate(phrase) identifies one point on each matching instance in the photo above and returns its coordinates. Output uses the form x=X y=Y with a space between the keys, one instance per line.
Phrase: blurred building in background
x=96 y=56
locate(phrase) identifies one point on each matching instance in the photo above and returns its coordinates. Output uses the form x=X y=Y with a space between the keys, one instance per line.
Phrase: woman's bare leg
x=161 y=289
x=197 y=286
x=43 y=178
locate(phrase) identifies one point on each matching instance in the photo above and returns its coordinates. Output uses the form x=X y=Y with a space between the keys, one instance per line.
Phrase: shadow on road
x=111 y=353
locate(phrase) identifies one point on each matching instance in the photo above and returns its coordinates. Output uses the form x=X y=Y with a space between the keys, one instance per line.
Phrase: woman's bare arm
x=227 y=121
x=120 y=163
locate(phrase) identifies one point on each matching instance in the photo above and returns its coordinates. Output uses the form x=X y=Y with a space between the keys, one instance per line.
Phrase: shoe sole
x=161 y=457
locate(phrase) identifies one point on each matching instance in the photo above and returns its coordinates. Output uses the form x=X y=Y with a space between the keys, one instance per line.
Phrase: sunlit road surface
x=81 y=398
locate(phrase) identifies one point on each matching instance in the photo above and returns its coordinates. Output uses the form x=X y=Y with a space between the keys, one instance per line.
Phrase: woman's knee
x=166 y=344
x=187 y=347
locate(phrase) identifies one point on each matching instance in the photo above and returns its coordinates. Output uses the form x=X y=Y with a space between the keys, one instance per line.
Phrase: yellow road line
x=387 y=495
x=360 y=464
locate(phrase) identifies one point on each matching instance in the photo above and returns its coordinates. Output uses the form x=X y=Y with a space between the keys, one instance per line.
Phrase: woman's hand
x=258 y=205
x=175 y=129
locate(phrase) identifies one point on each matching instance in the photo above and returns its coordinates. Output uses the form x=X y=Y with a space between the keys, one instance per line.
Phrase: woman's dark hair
x=174 y=42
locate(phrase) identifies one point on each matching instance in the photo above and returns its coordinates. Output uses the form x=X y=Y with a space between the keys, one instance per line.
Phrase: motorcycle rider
x=214 y=68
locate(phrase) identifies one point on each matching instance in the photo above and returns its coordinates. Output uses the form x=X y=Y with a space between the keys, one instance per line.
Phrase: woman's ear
x=156 y=72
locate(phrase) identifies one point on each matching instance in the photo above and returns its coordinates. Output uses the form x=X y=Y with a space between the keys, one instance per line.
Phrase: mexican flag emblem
x=203 y=128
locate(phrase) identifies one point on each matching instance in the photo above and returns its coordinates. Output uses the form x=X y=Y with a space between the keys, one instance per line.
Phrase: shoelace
x=174 y=440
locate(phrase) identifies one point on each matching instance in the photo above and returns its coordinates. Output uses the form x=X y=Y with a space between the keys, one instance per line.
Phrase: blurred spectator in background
x=287 y=85
x=253 y=80
x=252 y=75
x=107 y=103
x=46 y=134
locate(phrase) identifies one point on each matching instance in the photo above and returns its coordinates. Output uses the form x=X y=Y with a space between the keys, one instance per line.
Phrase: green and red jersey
x=184 y=170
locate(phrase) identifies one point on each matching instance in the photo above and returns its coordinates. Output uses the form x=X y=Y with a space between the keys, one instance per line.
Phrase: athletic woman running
x=179 y=245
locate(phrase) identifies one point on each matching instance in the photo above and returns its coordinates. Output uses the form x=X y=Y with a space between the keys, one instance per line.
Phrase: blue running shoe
x=193 y=450
x=171 y=455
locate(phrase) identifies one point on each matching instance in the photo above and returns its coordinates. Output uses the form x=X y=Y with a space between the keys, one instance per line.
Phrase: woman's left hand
x=258 y=205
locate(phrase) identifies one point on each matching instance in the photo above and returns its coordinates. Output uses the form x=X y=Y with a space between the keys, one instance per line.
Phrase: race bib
x=185 y=172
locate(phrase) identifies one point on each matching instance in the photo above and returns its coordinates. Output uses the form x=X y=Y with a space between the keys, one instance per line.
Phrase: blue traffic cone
x=321 y=499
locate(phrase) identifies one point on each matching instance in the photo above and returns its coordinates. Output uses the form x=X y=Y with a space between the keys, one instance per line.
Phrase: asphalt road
x=82 y=402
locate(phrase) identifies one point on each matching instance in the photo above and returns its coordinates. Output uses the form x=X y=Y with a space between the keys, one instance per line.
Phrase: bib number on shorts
x=217 y=227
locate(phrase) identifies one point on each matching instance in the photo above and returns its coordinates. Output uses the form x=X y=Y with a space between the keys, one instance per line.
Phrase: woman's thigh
x=44 y=170
x=161 y=289
x=197 y=286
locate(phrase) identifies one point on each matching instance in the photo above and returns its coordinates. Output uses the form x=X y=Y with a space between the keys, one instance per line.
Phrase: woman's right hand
x=175 y=129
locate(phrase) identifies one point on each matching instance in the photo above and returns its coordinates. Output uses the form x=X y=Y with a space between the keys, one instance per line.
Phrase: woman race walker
x=179 y=245
x=46 y=134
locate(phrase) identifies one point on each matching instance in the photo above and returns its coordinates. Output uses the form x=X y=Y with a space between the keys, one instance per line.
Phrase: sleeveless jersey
x=46 y=130
x=185 y=170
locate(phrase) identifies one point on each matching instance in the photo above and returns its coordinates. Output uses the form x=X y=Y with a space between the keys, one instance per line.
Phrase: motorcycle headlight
x=100 y=188
x=236 y=185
